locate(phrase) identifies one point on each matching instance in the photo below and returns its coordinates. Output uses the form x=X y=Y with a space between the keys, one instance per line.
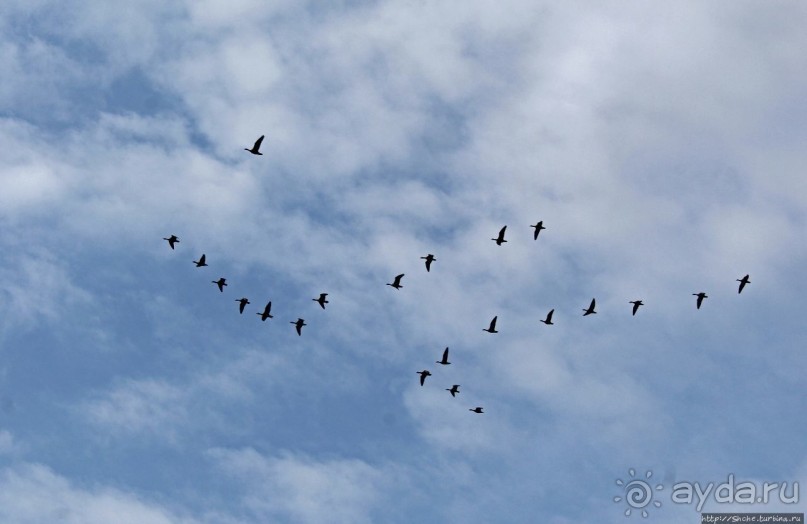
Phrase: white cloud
x=32 y=494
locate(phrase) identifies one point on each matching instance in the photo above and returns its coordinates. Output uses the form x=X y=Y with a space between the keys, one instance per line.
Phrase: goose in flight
x=454 y=390
x=477 y=409
x=700 y=296
x=492 y=327
x=242 y=302
x=201 y=262
x=743 y=282
x=444 y=361
x=397 y=282
x=321 y=300
x=266 y=312
x=590 y=310
x=299 y=325
x=423 y=374
x=548 y=319
x=538 y=227
x=221 y=283
x=256 y=148
x=429 y=259
x=636 y=304
x=172 y=240
x=500 y=239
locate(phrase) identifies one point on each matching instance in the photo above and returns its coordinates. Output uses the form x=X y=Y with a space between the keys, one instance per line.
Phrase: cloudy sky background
x=661 y=144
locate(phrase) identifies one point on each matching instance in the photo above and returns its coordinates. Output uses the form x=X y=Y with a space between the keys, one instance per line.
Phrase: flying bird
x=397 y=282
x=266 y=312
x=429 y=259
x=743 y=282
x=636 y=304
x=256 y=148
x=444 y=361
x=299 y=325
x=700 y=296
x=172 y=240
x=423 y=374
x=321 y=300
x=242 y=304
x=477 y=409
x=492 y=327
x=454 y=390
x=201 y=262
x=500 y=239
x=538 y=227
x=548 y=320
x=590 y=310
x=221 y=283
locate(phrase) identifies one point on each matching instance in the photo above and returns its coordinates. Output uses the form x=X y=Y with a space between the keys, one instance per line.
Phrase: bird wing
x=593 y=303
x=501 y=232
x=445 y=355
x=549 y=316
x=493 y=323
x=258 y=143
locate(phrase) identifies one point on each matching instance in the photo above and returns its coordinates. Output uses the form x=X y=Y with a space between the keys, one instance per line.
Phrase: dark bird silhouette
x=454 y=390
x=221 y=283
x=548 y=320
x=700 y=296
x=201 y=262
x=444 y=361
x=429 y=259
x=172 y=240
x=299 y=325
x=266 y=312
x=477 y=409
x=256 y=148
x=397 y=282
x=590 y=310
x=636 y=304
x=743 y=282
x=242 y=304
x=492 y=327
x=538 y=227
x=500 y=239
x=321 y=300
x=423 y=374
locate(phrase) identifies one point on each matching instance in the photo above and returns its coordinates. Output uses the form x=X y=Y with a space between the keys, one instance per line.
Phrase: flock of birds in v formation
x=396 y=283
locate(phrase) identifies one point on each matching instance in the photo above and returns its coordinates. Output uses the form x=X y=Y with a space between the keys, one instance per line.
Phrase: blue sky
x=662 y=145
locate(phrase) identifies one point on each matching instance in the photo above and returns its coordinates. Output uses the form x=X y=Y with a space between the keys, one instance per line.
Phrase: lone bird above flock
x=221 y=283
x=492 y=327
x=454 y=390
x=590 y=310
x=538 y=227
x=636 y=304
x=321 y=300
x=477 y=409
x=266 y=312
x=700 y=296
x=242 y=302
x=201 y=262
x=172 y=240
x=500 y=239
x=397 y=282
x=423 y=374
x=444 y=361
x=299 y=323
x=429 y=259
x=256 y=148
x=548 y=319
x=743 y=282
